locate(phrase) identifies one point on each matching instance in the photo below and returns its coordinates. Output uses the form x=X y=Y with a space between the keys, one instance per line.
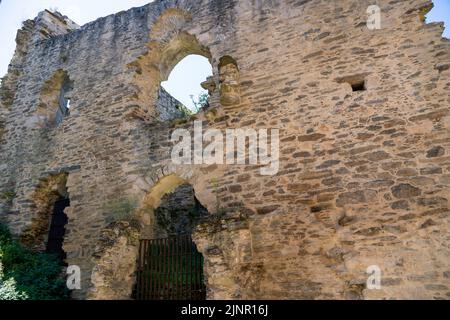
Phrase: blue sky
x=441 y=12
x=181 y=84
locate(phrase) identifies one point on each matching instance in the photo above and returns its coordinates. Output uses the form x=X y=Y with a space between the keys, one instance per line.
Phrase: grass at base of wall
x=28 y=275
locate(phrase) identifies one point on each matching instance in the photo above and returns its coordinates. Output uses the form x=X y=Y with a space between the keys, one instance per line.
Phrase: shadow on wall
x=55 y=100
x=50 y=191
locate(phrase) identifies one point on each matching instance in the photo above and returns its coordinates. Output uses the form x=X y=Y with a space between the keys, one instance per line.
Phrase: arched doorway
x=48 y=227
x=169 y=265
x=165 y=217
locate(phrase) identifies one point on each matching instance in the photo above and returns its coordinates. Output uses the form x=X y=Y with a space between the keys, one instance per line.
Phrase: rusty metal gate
x=170 y=269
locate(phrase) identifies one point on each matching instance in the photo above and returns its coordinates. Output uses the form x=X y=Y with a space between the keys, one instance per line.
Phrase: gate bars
x=170 y=269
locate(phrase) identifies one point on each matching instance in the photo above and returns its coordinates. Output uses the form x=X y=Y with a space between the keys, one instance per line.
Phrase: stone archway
x=153 y=199
x=50 y=190
x=169 y=43
x=223 y=240
x=116 y=252
x=117 y=249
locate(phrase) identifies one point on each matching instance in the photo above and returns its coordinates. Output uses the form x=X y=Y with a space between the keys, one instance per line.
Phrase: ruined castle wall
x=169 y=108
x=88 y=144
x=363 y=179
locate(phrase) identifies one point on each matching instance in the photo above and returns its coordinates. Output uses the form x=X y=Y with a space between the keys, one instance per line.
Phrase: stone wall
x=364 y=176
x=169 y=108
x=179 y=213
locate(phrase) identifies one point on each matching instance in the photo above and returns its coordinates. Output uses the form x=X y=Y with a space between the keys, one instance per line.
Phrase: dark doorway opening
x=57 y=230
x=169 y=266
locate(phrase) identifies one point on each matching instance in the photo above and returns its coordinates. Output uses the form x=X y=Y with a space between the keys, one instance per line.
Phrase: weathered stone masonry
x=364 y=176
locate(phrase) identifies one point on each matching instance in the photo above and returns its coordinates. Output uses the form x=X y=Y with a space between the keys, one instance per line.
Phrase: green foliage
x=9 y=291
x=122 y=209
x=5 y=236
x=8 y=195
x=28 y=275
x=201 y=102
x=186 y=112
x=424 y=11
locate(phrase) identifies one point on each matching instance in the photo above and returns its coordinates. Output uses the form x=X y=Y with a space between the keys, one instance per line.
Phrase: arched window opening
x=47 y=230
x=55 y=99
x=170 y=261
x=64 y=101
x=187 y=89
